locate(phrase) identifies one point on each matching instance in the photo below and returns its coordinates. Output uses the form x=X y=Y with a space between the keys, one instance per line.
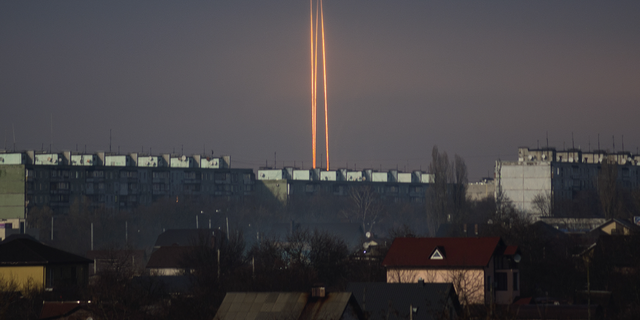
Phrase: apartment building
x=113 y=181
x=559 y=175
x=391 y=185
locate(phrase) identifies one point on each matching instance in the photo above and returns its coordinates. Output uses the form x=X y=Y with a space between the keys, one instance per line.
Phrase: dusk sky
x=475 y=78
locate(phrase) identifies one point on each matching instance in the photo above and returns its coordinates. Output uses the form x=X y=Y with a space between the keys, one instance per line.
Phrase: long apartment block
x=113 y=181
x=392 y=185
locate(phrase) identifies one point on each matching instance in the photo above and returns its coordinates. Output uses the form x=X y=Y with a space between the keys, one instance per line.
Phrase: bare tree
x=608 y=189
x=459 y=189
x=437 y=194
x=447 y=195
x=469 y=285
x=542 y=202
x=365 y=207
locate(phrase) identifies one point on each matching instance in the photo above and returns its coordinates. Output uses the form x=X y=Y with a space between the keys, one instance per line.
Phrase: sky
x=476 y=78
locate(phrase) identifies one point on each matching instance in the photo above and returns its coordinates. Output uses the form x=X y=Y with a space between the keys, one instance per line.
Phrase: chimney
x=318 y=291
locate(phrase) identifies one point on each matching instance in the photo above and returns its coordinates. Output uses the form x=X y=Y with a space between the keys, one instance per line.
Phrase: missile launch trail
x=314 y=78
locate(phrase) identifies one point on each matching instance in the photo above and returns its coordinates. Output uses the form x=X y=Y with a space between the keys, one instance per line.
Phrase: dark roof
x=55 y=310
x=283 y=305
x=460 y=252
x=510 y=250
x=379 y=299
x=168 y=284
x=26 y=251
x=169 y=257
x=186 y=237
x=350 y=233
x=625 y=223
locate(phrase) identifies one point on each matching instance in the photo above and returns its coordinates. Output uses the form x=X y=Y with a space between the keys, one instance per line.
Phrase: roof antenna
x=50 y=146
x=109 y=140
x=623 y=143
x=547 y=139
x=573 y=145
x=589 y=143
x=13 y=127
x=614 y=143
x=598 y=141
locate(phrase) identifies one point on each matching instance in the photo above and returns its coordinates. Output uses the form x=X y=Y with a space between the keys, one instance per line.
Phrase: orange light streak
x=324 y=72
x=314 y=79
x=313 y=87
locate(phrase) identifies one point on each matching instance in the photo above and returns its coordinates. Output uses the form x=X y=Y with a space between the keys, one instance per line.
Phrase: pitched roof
x=282 y=305
x=56 y=310
x=26 y=251
x=460 y=252
x=379 y=299
x=186 y=237
x=169 y=257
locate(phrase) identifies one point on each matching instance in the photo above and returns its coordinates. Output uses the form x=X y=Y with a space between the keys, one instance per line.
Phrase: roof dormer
x=438 y=253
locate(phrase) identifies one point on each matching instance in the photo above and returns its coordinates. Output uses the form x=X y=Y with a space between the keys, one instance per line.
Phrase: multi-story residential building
x=559 y=175
x=391 y=185
x=113 y=181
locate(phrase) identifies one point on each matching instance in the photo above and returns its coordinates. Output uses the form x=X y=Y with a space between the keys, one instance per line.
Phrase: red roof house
x=483 y=270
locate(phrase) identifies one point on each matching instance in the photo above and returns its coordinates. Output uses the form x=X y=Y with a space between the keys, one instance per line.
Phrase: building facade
x=392 y=185
x=559 y=175
x=113 y=181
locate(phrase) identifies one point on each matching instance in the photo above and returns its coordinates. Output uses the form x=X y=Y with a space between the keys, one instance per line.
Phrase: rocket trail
x=324 y=72
x=313 y=87
x=314 y=78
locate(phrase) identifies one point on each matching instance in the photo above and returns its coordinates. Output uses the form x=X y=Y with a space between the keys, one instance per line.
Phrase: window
x=501 y=281
x=515 y=281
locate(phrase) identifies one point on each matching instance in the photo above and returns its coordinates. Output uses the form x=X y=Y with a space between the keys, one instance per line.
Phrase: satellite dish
x=517 y=258
x=368 y=234
x=184 y=158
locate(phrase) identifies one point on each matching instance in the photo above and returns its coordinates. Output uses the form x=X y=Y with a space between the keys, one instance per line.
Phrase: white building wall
x=379 y=176
x=301 y=175
x=11 y=158
x=328 y=175
x=522 y=181
x=404 y=177
x=270 y=174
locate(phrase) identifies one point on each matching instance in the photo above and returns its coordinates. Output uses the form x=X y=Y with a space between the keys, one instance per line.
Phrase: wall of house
x=469 y=283
x=507 y=296
x=166 y=271
x=615 y=228
x=12 y=191
x=33 y=275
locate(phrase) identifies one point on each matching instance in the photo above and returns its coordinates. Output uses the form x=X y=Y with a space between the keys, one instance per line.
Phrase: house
x=617 y=227
x=129 y=261
x=63 y=310
x=189 y=237
x=315 y=305
x=29 y=263
x=482 y=270
x=429 y=301
x=173 y=247
x=168 y=261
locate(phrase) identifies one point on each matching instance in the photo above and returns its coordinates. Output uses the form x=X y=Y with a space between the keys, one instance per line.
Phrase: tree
x=447 y=196
x=608 y=189
x=459 y=196
x=543 y=204
x=365 y=207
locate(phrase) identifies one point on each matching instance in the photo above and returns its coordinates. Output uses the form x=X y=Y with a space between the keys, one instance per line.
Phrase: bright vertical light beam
x=324 y=73
x=319 y=18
